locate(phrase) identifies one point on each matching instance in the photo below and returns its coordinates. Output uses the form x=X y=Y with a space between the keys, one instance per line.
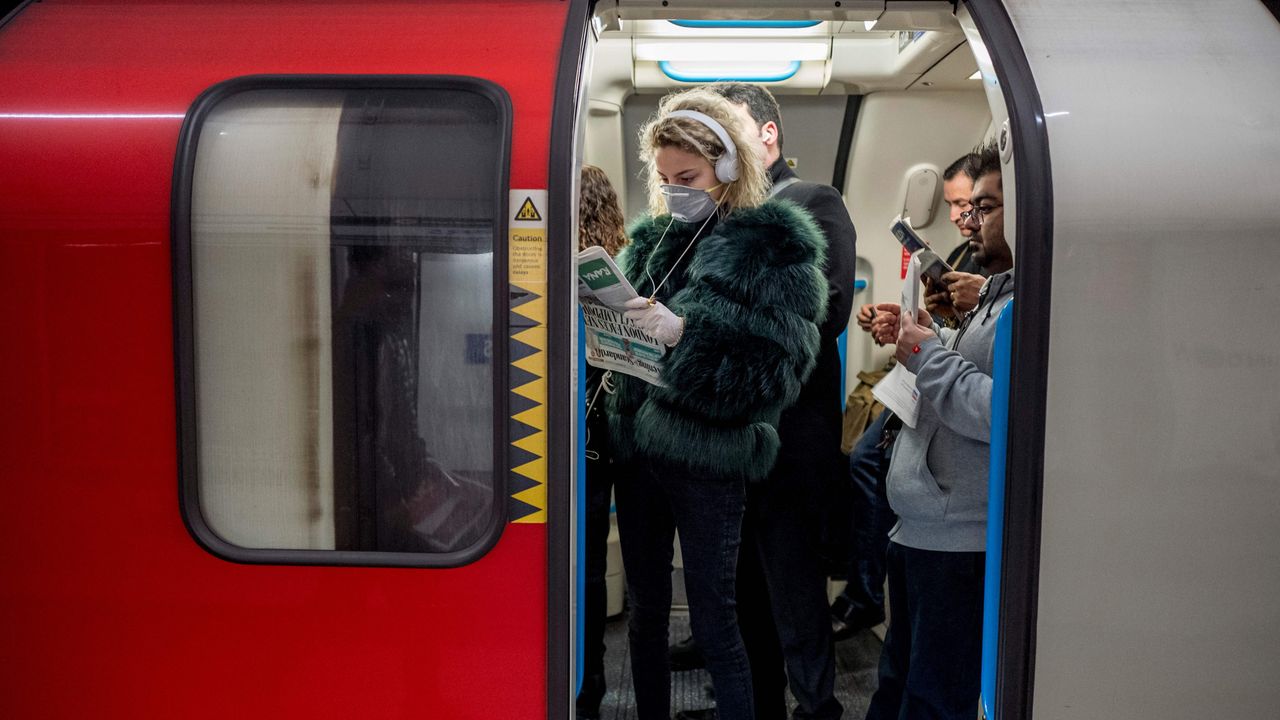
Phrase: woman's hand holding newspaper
x=655 y=319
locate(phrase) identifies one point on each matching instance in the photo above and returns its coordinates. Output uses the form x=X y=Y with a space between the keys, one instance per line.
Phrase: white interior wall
x=898 y=132
x=604 y=146
x=609 y=85
x=635 y=111
x=811 y=133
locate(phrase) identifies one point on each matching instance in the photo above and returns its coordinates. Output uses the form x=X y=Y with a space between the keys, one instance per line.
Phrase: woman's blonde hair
x=752 y=186
x=600 y=219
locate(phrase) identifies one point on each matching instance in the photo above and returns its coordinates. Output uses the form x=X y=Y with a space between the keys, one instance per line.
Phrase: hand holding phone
x=933 y=267
x=963 y=289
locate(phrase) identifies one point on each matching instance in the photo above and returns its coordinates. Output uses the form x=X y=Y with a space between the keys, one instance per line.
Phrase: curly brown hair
x=599 y=217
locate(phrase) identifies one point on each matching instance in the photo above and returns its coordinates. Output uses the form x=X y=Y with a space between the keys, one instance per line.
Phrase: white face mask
x=688 y=204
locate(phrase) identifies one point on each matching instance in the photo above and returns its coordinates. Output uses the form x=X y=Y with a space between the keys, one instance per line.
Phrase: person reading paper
x=732 y=284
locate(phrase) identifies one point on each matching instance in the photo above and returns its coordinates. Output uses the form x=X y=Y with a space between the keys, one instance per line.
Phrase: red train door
x=286 y=360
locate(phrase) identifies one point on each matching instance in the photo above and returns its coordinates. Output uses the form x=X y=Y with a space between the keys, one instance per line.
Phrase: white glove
x=656 y=320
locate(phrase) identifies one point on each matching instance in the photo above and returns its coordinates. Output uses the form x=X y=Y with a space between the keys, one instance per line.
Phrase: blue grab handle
x=580 y=577
x=995 y=506
x=842 y=342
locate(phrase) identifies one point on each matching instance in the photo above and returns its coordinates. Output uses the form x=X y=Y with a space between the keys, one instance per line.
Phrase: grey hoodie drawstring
x=996 y=294
x=983 y=294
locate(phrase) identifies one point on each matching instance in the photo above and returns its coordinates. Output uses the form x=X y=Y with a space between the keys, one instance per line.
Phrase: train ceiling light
x=762 y=50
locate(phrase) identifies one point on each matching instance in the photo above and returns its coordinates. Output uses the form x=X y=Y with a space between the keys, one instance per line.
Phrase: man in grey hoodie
x=937 y=484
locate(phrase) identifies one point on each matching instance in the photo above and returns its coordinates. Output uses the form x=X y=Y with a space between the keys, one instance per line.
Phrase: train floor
x=856 y=660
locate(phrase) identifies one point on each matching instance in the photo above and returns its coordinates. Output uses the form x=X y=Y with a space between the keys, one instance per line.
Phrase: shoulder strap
x=780 y=186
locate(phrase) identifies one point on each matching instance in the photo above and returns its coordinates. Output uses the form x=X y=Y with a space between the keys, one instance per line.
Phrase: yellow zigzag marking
x=535 y=443
x=535 y=496
x=535 y=416
x=534 y=364
x=537 y=517
x=535 y=470
x=535 y=390
x=535 y=310
x=534 y=337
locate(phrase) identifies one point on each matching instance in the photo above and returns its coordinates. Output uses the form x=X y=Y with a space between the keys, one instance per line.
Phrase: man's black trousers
x=782 y=596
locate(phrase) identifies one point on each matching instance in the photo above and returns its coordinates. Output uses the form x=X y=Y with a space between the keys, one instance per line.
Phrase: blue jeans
x=863 y=597
x=652 y=503
x=930 y=666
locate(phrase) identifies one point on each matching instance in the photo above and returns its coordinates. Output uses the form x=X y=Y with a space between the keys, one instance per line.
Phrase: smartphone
x=933 y=267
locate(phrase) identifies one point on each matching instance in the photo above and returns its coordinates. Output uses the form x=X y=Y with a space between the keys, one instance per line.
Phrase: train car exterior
x=112 y=608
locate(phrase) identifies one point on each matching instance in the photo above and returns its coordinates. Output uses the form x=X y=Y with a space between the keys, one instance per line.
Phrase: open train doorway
x=878 y=102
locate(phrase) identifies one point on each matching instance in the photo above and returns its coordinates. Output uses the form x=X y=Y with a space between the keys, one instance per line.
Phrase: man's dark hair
x=967 y=164
x=988 y=161
x=761 y=104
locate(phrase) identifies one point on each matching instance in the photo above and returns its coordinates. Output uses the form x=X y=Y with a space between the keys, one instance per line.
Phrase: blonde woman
x=733 y=285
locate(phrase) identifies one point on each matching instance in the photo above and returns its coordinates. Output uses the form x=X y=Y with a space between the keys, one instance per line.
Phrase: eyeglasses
x=978 y=213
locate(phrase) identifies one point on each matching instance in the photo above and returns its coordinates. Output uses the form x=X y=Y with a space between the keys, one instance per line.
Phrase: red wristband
x=915 y=349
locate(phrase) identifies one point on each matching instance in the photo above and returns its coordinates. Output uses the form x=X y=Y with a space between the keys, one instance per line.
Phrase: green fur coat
x=751 y=292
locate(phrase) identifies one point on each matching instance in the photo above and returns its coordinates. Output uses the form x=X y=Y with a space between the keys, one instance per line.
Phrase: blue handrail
x=580 y=576
x=995 y=506
x=842 y=342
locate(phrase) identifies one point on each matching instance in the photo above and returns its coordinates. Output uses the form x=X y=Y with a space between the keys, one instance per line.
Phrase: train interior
x=877 y=106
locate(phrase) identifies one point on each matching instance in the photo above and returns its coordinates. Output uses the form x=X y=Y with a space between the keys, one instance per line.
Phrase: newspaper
x=613 y=342
x=897 y=391
x=911 y=287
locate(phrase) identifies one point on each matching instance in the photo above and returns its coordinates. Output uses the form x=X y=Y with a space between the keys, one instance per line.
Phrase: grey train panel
x=1160 y=551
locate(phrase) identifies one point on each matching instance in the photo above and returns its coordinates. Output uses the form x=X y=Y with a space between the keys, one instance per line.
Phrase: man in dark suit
x=782 y=595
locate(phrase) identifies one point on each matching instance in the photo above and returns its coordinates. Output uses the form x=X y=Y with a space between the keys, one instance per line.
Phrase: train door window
x=340 y=278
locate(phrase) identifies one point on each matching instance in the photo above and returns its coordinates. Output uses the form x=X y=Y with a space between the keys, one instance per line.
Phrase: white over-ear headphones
x=727 y=165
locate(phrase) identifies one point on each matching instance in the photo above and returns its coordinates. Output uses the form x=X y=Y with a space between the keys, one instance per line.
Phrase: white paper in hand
x=911 y=287
x=898 y=392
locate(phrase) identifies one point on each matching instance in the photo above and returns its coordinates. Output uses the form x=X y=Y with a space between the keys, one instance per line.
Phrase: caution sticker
x=527 y=401
x=527 y=246
x=528 y=211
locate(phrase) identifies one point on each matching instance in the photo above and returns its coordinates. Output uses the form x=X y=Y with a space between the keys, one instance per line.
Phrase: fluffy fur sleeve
x=755 y=295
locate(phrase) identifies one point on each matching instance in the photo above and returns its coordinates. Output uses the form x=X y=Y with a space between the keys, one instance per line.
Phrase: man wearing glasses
x=958 y=292
x=937 y=485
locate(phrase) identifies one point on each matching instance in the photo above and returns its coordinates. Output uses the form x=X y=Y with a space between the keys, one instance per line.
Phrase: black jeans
x=600 y=478
x=930 y=667
x=601 y=472
x=782 y=596
x=863 y=597
x=652 y=503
